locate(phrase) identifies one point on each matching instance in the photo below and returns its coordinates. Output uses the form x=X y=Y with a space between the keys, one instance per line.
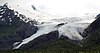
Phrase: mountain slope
x=14 y=27
x=92 y=41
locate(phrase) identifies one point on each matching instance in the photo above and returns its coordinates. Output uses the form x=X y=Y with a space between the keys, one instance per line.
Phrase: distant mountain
x=47 y=32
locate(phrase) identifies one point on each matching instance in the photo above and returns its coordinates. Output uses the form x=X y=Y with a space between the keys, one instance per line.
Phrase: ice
x=72 y=29
x=43 y=29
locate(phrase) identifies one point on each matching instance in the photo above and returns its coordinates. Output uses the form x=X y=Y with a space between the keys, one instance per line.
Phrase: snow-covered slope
x=71 y=28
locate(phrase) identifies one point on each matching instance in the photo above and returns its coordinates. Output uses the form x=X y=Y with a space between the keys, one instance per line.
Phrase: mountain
x=14 y=27
x=92 y=33
x=47 y=32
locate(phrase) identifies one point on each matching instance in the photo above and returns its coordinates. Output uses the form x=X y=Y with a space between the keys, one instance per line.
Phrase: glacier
x=48 y=20
x=72 y=29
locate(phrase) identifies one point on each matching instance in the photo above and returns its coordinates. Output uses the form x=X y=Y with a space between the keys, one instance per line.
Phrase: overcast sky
x=64 y=7
x=71 y=7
